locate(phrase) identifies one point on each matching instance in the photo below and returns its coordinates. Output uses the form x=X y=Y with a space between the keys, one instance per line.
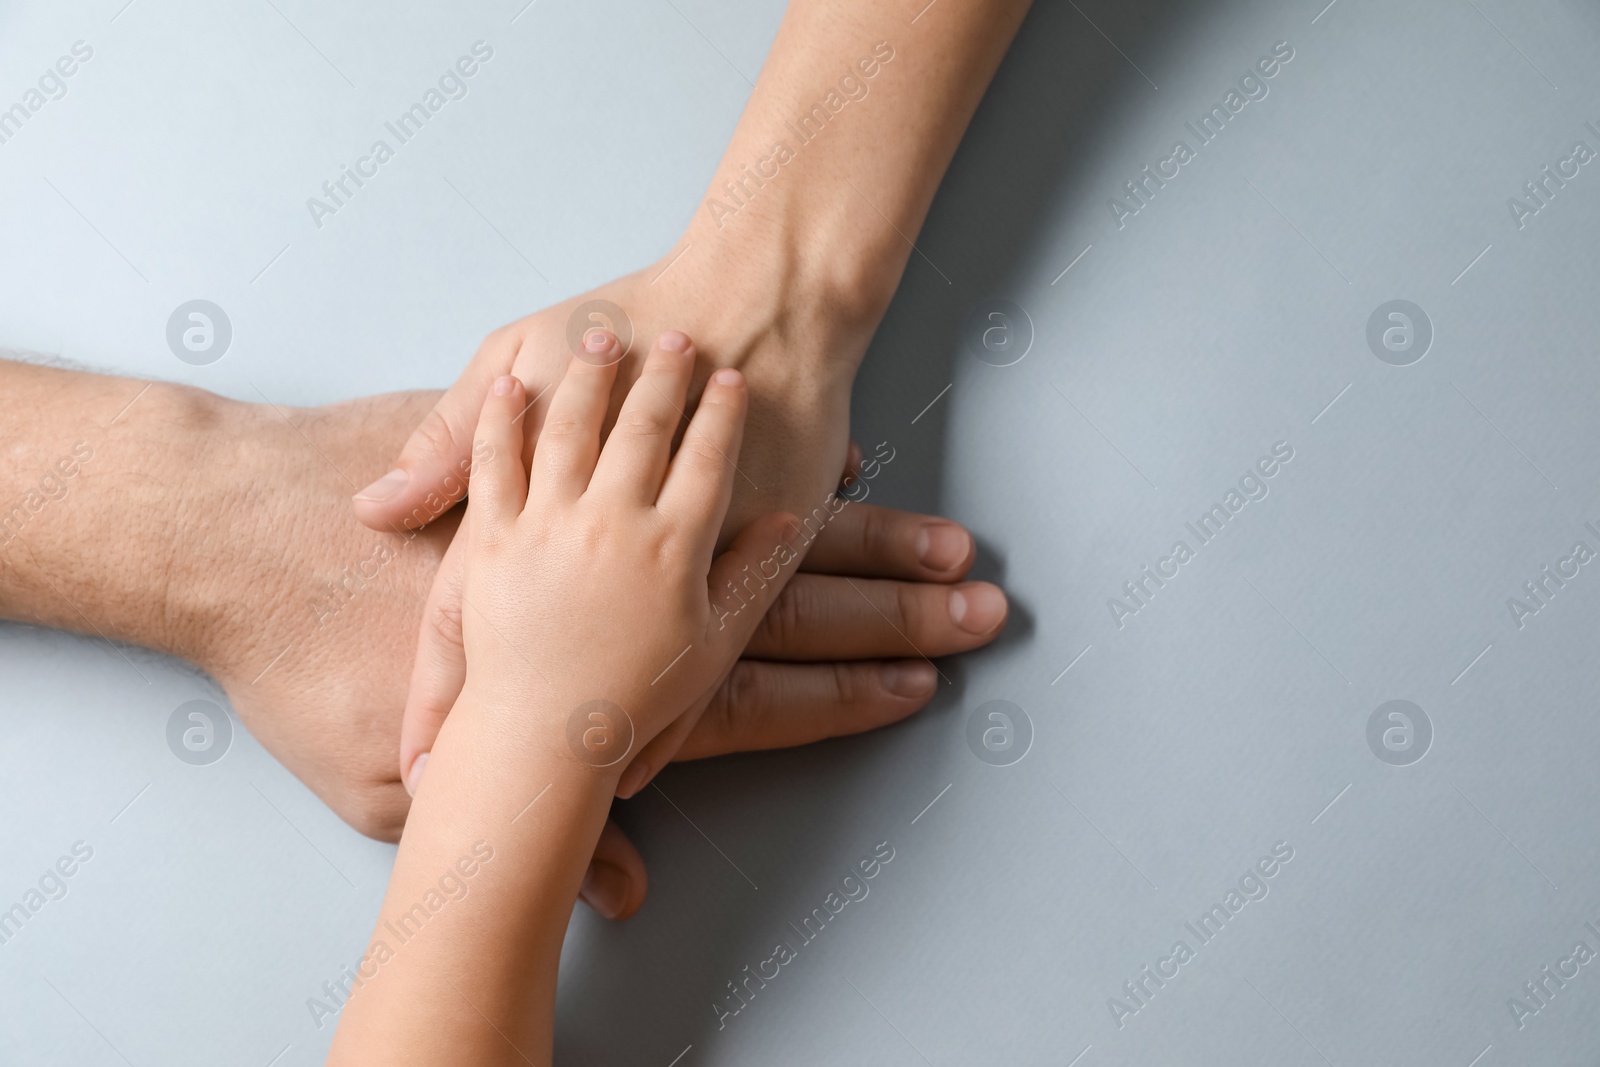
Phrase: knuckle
x=373 y=814
x=875 y=531
x=434 y=433
x=742 y=703
x=903 y=607
x=784 y=624
x=558 y=424
x=637 y=423
x=444 y=621
x=719 y=723
x=846 y=684
x=701 y=453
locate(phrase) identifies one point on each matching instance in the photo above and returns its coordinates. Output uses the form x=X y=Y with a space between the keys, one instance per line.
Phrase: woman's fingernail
x=598 y=341
x=673 y=341
x=942 y=545
x=633 y=780
x=908 y=679
x=605 y=887
x=504 y=384
x=385 y=487
x=416 y=774
x=977 y=608
x=727 y=376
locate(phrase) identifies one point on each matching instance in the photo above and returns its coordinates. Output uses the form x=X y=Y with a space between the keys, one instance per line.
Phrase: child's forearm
x=461 y=967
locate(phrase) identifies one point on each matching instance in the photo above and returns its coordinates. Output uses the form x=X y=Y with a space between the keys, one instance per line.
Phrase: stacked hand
x=885 y=589
x=268 y=526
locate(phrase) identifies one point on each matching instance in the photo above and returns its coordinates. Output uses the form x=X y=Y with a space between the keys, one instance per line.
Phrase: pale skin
x=789 y=288
x=793 y=305
x=591 y=575
x=212 y=530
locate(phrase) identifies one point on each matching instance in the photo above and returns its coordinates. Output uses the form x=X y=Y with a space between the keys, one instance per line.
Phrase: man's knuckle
x=903 y=606
x=845 y=683
x=784 y=624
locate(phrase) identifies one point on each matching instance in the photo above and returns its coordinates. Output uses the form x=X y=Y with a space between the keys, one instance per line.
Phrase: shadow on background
x=1047 y=110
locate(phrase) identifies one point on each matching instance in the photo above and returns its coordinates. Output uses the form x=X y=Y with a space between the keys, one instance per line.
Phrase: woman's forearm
x=848 y=132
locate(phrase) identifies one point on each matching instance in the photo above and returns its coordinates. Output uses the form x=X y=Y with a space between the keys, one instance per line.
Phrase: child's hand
x=594 y=613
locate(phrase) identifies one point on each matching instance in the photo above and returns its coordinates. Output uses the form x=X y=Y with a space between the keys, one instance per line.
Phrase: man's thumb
x=430 y=475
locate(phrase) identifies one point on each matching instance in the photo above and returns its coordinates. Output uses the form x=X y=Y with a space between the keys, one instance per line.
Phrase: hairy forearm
x=169 y=517
x=847 y=134
x=93 y=486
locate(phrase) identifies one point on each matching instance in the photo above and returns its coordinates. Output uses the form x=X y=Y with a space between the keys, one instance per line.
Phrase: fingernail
x=908 y=679
x=605 y=887
x=385 y=487
x=416 y=774
x=504 y=384
x=632 y=780
x=977 y=608
x=942 y=545
x=598 y=341
x=673 y=341
x=727 y=376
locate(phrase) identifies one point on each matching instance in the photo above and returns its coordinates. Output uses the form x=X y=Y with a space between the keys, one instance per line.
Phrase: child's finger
x=640 y=444
x=499 y=486
x=569 y=442
x=700 y=481
x=747 y=578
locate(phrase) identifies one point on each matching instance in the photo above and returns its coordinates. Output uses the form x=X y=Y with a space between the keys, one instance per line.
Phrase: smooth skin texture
x=590 y=575
x=220 y=532
x=789 y=289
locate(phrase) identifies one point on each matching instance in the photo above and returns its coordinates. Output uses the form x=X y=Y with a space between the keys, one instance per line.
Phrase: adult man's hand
x=221 y=532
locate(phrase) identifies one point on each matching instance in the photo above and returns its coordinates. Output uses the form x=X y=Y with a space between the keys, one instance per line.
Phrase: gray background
x=1228 y=715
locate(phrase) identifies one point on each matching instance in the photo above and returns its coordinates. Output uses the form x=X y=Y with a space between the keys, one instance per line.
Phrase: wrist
x=213 y=497
x=514 y=728
x=268 y=558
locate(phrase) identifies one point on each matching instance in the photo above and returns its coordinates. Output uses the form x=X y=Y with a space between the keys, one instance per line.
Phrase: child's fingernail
x=632 y=780
x=727 y=376
x=942 y=545
x=504 y=384
x=597 y=341
x=673 y=341
x=385 y=487
x=977 y=608
x=416 y=774
x=605 y=887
